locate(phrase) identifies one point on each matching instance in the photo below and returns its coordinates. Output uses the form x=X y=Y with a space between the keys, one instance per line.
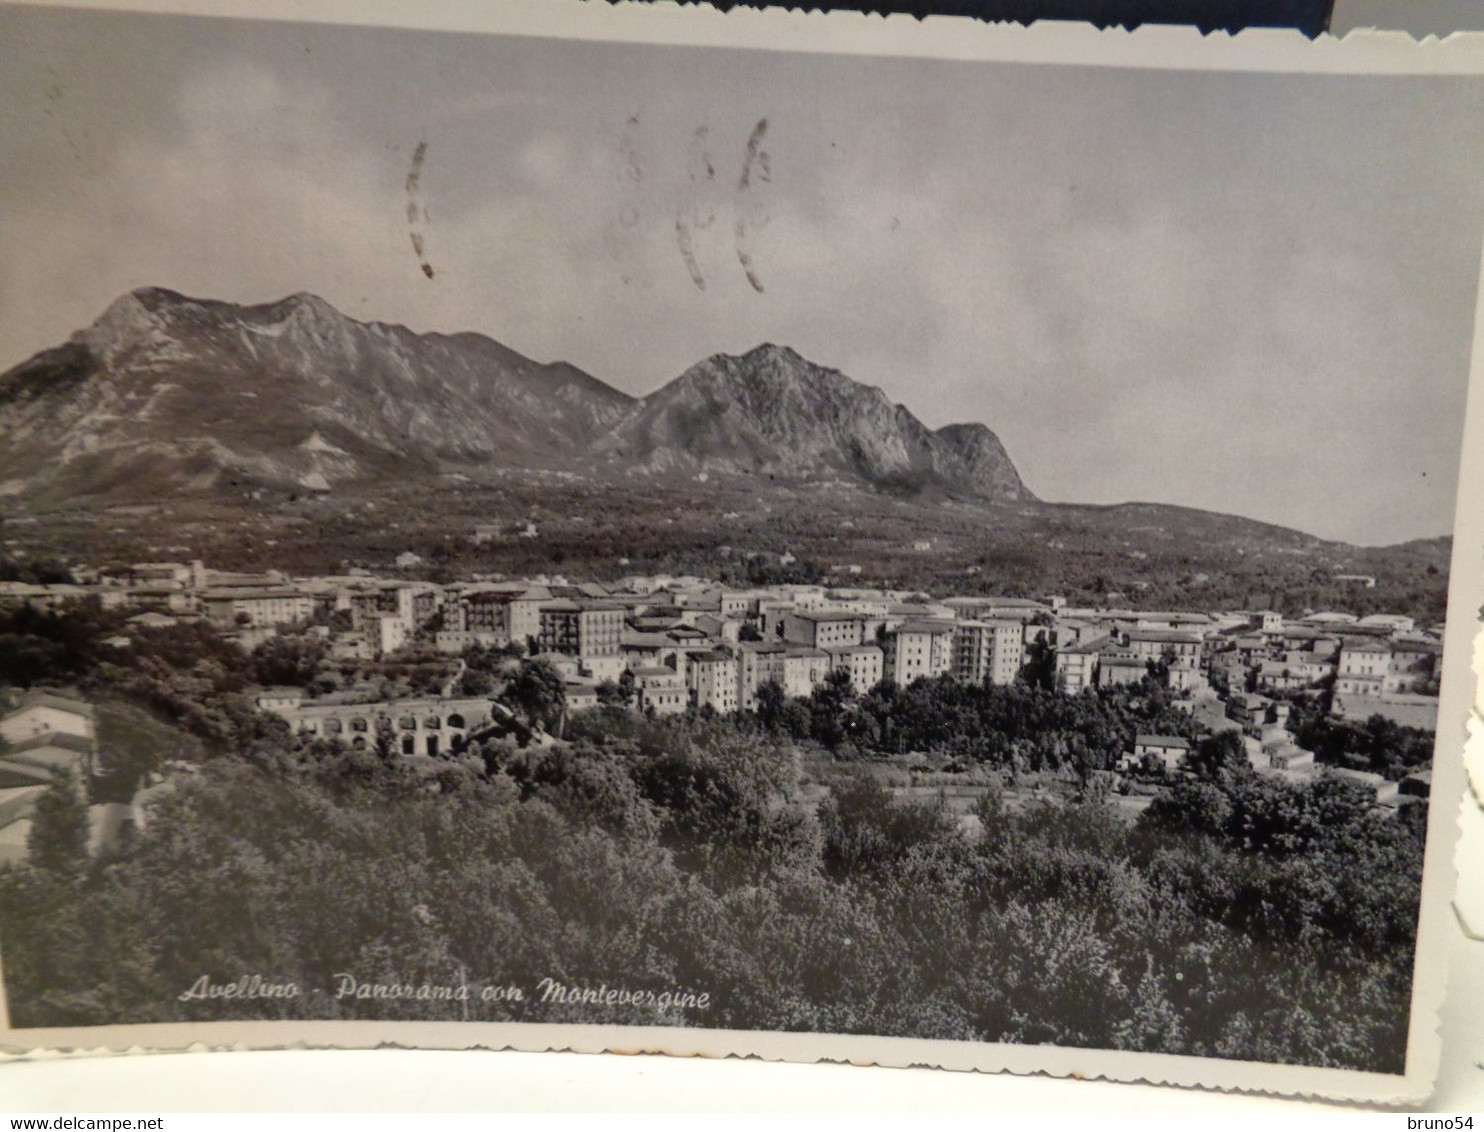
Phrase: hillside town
x=669 y=645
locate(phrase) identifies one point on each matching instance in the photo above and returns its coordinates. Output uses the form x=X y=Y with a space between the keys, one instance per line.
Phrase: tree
x=537 y=693
x=288 y=661
x=475 y=682
x=771 y=701
x=617 y=693
x=58 y=840
x=831 y=703
x=1220 y=758
x=1039 y=669
x=1159 y=670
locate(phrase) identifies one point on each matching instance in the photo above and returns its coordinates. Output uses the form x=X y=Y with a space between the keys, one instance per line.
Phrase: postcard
x=563 y=526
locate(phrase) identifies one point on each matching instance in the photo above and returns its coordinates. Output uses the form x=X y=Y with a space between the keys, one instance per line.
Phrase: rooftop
x=252 y=594
x=826 y=615
x=53 y=700
x=930 y=627
x=710 y=656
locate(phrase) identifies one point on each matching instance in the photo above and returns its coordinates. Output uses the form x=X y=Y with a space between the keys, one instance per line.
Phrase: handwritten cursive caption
x=547 y=990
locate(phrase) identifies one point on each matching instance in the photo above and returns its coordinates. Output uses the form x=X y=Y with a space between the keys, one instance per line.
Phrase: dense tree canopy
x=1241 y=917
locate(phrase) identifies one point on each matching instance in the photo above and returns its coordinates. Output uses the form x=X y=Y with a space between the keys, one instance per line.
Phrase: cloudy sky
x=1243 y=292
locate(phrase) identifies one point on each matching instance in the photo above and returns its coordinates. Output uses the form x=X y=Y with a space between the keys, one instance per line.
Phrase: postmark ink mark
x=417 y=211
x=744 y=257
x=756 y=160
x=702 y=166
x=687 y=248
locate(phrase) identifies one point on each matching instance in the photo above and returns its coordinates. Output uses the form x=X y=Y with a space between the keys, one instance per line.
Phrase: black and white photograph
x=556 y=530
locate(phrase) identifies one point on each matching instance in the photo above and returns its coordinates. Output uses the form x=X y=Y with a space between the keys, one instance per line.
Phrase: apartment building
x=864 y=663
x=988 y=651
x=915 y=649
x=260 y=608
x=711 y=677
x=757 y=664
x=803 y=670
x=823 y=628
x=586 y=629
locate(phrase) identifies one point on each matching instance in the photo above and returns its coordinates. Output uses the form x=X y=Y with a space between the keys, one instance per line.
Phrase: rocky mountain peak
x=767 y=353
x=779 y=378
x=306 y=308
x=165 y=392
x=130 y=321
x=984 y=459
x=773 y=412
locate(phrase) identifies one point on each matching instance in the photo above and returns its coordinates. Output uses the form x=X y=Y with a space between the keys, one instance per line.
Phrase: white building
x=915 y=649
x=988 y=651
x=864 y=663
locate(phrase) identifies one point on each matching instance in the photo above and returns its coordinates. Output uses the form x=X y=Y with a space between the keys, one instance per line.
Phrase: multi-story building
x=1248 y=709
x=758 y=663
x=1414 y=662
x=823 y=628
x=864 y=663
x=738 y=604
x=1077 y=666
x=603 y=668
x=1181 y=649
x=510 y=615
x=1363 y=668
x=1308 y=664
x=915 y=649
x=661 y=691
x=988 y=651
x=770 y=614
x=1278 y=676
x=586 y=629
x=414 y=604
x=387 y=632
x=712 y=679
x=803 y=669
x=259 y=608
x=1115 y=670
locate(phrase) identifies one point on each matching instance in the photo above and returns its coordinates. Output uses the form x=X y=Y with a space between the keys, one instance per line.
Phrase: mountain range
x=165 y=394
